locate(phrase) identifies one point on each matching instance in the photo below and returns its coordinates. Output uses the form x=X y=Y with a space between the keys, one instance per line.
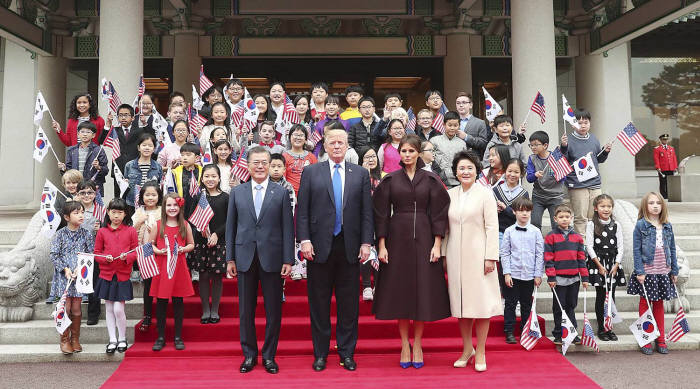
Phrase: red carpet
x=213 y=354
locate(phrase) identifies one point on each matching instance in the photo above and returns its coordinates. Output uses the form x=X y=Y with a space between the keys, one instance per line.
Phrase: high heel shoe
x=406 y=365
x=415 y=364
x=480 y=367
x=464 y=363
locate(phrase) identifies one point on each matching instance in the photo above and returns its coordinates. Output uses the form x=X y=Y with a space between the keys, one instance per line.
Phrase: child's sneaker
x=296 y=272
x=367 y=294
x=135 y=276
x=303 y=269
x=517 y=309
x=557 y=340
x=195 y=276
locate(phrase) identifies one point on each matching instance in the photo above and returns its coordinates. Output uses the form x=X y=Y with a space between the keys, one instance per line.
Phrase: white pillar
x=121 y=47
x=603 y=88
x=186 y=62
x=534 y=65
x=457 y=68
x=17 y=129
x=51 y=81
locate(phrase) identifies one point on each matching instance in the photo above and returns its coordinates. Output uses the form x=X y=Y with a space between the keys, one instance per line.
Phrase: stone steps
x=628 y=318
x=628 y=343
x=50 y=352
x=688 y=242
x=694 y=258
x=10 y=237
x=623 y=301
x=694 y=281
x=43 y=332
x=6 y=247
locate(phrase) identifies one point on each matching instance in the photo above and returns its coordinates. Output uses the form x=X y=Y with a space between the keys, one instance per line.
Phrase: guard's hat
x=664 y=136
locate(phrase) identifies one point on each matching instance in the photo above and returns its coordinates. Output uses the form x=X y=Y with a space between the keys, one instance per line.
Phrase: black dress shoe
x=510 y=338
x=604 y=336
x=319 y=364
x=248 y=364
x=348 y=363
x=271 y=366
x=92 y=322
x=612 y=336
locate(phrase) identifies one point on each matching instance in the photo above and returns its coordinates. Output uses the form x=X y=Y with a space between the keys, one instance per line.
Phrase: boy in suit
x=87 y=157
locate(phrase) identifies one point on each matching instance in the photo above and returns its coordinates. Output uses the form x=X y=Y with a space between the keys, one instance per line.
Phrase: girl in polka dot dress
x=655 y=264
x=604 y=248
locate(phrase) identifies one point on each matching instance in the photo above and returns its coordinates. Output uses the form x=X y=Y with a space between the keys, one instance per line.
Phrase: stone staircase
x=37 y=340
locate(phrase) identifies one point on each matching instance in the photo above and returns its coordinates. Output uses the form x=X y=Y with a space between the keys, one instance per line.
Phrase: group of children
x=590 y=252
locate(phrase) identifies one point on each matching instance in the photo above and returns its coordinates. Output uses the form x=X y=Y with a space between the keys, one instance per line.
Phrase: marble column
x=51 y=81
x=603 y=88
x=121 y=47
x=457 y=68
x=534 y=65
x=186 y=62
x=17 y=130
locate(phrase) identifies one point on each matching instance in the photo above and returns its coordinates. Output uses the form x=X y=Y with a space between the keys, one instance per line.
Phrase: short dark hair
x=278 y=82
x=540 y=136
x=502 y=119
x=563 y=208
x=366 y=98
x=278 y=157
x=154 y=185
x=298 y=127
x=234 y=81
x=518 y=162
x=451 y=115
x=258 y=150
x=211 y=90
x=190 y=148
x=503 y=153
x=582 y=113
x=468 y=155
x=118 y=204
x=318 y=84
x=89 y=125
x=146 y=136
x=126 y=106
x=71 y=206
x=333 y=99
x=392 y=94
x=522 y=203
x=87 y=184
x=266 y=123
x=354 y=88
x=464 y=94
x=176 y=94
x=432 y=92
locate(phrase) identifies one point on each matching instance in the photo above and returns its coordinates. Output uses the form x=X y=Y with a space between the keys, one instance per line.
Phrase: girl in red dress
x=175 y=284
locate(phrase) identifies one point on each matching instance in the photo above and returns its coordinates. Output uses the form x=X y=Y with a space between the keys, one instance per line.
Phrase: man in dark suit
x=335 y=227
x=472 y=130
x=259 y=247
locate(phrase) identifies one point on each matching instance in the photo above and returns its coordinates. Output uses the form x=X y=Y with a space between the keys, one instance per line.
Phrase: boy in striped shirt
x=565 y=266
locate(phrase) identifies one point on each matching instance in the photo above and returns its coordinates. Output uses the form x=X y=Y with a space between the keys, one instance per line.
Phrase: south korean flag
x=585 y=169
x=645 y=329
x=83 y=283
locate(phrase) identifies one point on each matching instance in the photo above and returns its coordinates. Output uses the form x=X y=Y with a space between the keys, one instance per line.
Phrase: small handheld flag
x=588 y=336
x=99 y=209
x=172 y=259
x=142 y=86
x=194 y=185
x=645 y=329
x=493 y=109
x=240 y=168
x=197 y=102
x=204 y=82
x=531 y=331
x=439 y=119
x=86 y=264
x=680 y=326
x=585 y=169
x=41 y=145
x=39 y=108
x=373 y=259
x=631 y=139
x=121 y=181
x=411 y=123
x=61 y=319
x=559 y=165
x=569 y=115
x=289 y=113
x=538 y=106
x=112 y=141
x=202 y=214
x=568 y=331
x=196 y=122
x=146 y=260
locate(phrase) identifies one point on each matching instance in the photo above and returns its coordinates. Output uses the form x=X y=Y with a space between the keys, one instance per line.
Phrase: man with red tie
x=665 y=162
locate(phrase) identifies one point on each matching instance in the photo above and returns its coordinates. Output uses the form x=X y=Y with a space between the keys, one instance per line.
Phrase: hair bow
x=180 y=202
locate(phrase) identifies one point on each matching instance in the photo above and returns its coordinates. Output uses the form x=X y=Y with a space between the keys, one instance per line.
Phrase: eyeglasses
x=236 y=89
x=426 y=150
x=464 y=102
x=435 y=98
x=124 y=115
x=533 y=145
x=86 y=193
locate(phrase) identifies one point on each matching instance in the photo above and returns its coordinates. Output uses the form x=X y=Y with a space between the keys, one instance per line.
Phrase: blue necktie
x=338 y=196
x=257 y=201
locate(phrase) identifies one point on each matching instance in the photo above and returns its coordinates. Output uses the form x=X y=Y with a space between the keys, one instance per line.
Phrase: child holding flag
x=604 y=247
x=547 y=192
x=87 y=157
x=142 y=169
x=171 y=238
x=655 y=263
x=115 y=253
x=87 y=191
x=208 y=257
x=145 y=219
x=65 y=245
x=580 y=144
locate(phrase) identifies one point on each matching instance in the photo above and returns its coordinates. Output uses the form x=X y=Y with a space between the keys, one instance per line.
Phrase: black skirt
x=114 y=290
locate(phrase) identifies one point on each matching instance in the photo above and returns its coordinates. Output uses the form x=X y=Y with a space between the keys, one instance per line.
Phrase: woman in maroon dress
x=171 y=284
x=410 y=208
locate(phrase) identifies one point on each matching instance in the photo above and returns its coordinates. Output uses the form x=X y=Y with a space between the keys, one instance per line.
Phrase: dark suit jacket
x=272 y=235
x=316 y=210
x=358 y=137
x=72 y=156
x=128 y=146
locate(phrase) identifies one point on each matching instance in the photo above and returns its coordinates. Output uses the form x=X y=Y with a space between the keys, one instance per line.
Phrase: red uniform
x=181 y=284
x=665 y=158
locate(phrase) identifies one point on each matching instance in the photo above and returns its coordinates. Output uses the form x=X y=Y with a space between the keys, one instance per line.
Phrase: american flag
x=196 y=121
x=538 y=106
x=588 y=336
x=531 y=332
x=114 y=100
x=680 y=327
x=202 y=214
x=137 y=191
x=373 y=259
x=439 y=120
x=194 y=185
x=315 y=137
x=607 y=318
x=172 y=257
x=112 y=141
x=142 y=86
x=204 y=82
x=146 y=260
x=631 y=139
x=99 y=209
x=483 y=180
x=289 y=113
x=559 y=164
x=411 y=124
x=237 y=114
x=240 y=168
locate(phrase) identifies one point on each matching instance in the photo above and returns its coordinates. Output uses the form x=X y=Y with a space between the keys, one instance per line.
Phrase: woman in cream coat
x=471 y=250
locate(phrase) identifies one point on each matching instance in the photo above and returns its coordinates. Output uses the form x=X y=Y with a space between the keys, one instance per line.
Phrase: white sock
x=120 y=316
x=111 y=321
